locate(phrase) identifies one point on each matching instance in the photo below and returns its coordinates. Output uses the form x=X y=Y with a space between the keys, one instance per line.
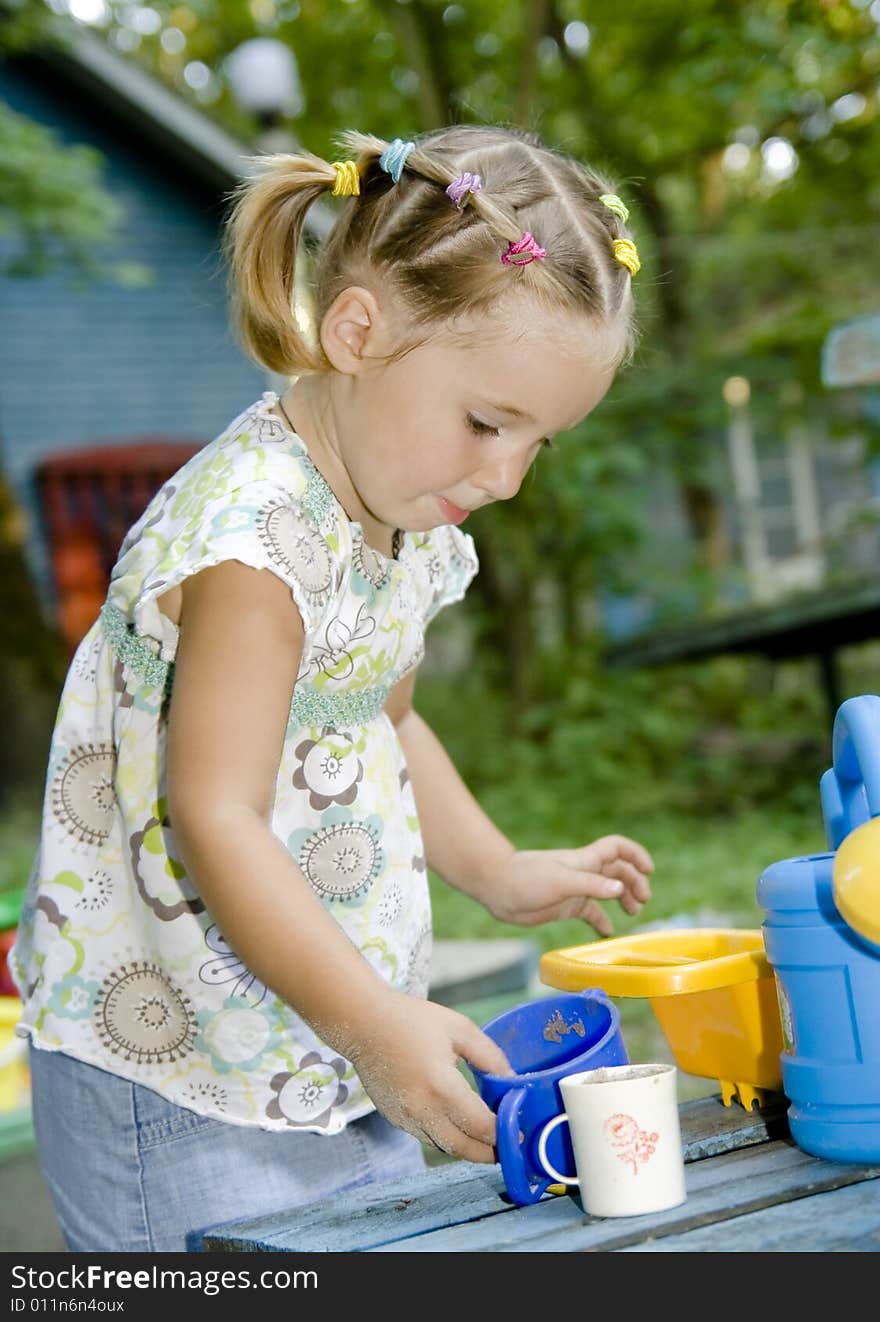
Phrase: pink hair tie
x=524 y=251
x=464 y=184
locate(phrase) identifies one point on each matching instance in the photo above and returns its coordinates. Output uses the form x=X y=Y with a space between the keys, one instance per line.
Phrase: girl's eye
x=480 y=428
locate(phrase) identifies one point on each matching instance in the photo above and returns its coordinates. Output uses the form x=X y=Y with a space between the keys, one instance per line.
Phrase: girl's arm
x=470 y=853
x=236 y=666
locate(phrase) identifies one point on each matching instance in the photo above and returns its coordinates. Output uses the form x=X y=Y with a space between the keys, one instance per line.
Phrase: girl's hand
x=545 y=885
x=408 y=1064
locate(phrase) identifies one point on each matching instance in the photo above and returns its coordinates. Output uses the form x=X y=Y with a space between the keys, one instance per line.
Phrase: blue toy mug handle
x=850 y=789
x=510 y=1151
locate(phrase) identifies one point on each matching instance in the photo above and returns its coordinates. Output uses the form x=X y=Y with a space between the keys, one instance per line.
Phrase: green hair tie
x=613 y=203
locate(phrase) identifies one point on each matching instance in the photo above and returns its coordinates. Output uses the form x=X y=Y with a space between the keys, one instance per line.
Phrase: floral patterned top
x=118 y=961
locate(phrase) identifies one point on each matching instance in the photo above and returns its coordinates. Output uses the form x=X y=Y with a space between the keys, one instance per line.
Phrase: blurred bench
x=812 y=623
x=475 y=971
x=88 y=499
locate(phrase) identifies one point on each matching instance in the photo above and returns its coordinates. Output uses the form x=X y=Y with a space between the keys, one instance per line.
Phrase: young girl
x=223 y=955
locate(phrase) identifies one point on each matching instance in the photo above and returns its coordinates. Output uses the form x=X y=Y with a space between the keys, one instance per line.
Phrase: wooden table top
x=749 y=1188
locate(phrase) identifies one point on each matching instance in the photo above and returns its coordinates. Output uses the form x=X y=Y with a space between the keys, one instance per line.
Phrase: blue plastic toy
x=850 y=788
x=827 y=973
x=544 y=1040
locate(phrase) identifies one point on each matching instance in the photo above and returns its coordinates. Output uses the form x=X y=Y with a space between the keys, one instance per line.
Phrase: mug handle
x=542 y=1150
x=523 y=1183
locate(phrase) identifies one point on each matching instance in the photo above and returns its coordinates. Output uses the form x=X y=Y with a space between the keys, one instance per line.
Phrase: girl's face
x=458 y=421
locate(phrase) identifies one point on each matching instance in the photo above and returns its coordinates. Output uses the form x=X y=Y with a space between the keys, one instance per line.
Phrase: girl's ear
x=350 y=329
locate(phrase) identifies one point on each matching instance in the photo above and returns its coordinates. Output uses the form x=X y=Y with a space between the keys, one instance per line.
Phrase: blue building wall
x=105 y=363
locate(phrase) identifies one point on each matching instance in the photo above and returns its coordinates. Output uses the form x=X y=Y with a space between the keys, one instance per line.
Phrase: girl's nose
x=503 y=479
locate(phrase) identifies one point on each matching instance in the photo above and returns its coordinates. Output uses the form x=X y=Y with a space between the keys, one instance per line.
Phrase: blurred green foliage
x=58 y=213
x=53 y=204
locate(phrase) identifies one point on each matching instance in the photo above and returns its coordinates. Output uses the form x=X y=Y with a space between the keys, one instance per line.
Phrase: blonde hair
x=408 y=238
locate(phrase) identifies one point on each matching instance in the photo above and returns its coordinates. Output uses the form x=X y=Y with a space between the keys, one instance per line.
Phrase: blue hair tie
x=394 y=157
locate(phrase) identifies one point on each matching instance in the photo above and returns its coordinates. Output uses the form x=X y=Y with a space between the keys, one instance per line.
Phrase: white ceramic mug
x=626 y=1138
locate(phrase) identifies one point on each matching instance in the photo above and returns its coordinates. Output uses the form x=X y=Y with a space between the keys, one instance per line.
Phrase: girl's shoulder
x=253 y=454
x=251 y=494
x=254 y=495
x=254 y=448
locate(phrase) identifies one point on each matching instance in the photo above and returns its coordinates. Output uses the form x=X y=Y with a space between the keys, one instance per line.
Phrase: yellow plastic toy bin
x=712 y=990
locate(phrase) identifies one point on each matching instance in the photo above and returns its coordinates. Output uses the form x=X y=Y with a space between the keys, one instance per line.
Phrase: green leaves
x=51 y=201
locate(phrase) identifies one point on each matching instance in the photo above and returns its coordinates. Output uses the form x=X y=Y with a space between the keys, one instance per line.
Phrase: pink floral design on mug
x=631 y=1144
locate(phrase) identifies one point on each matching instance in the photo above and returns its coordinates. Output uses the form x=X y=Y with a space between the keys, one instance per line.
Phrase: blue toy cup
x=544 y=1040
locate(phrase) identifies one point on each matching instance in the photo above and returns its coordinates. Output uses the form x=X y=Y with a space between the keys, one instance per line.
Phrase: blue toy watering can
x=827 y=970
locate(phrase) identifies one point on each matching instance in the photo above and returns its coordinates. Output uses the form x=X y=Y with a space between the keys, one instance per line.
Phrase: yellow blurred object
x=856 y=879
x=14 y=1073
x=712 y=990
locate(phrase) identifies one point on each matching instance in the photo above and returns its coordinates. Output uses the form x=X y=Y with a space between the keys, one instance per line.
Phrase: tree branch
x=423 y=51
x=534 y=25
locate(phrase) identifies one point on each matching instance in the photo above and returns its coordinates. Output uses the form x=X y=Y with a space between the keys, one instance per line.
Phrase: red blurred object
x=89 y=499
x=7 y=939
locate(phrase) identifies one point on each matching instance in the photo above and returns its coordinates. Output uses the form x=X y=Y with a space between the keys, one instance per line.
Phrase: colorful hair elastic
x=464 y=184
x=522 y=252
x=348 y=181
x=394 y=157
x=613 y=203
x=625 y=252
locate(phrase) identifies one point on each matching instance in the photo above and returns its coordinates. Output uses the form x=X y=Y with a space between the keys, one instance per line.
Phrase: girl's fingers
x=629 y=904
x=636 y=882
x=593 y=914
x=467 y=1126
x=573 y=890
x=575 y=879
x=454 y=1143
x=586 y=908
x=612 y=847
x=477 y=1048
x=577 y=906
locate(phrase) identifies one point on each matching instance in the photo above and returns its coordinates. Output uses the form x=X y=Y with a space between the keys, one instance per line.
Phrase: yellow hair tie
x=625 y=252
x=348 y=181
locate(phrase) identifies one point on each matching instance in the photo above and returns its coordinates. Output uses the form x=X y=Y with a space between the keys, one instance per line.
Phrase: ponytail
x=262 y=240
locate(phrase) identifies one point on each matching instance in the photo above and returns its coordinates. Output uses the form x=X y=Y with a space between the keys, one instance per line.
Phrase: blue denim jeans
x=130 y=1172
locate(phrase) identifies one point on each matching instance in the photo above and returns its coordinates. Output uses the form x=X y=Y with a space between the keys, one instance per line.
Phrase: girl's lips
x=452 y=513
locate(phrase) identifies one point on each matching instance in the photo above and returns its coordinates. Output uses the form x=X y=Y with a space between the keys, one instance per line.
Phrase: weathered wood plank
x=725 y=1186
x=351 y=1221
x=708 y=1127
x=845 y=1220
x=459 y=1192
